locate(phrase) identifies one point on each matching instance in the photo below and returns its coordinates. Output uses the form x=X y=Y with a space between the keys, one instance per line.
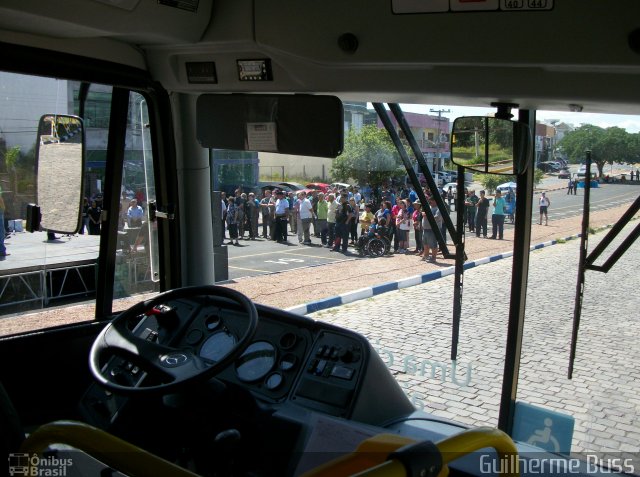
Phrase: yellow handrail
x=370 y=457
x=108 y=449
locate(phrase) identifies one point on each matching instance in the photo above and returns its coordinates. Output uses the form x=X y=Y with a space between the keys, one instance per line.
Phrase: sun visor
x=306 y=125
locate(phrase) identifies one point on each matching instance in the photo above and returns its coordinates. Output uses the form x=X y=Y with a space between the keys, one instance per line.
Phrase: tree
x=369 y=157
x=11 y=158
x=607 y=146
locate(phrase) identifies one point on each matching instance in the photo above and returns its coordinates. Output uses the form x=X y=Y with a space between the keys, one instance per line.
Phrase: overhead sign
x=440 y=6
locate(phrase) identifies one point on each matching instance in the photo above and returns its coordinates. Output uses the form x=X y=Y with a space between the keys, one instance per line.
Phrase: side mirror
x=491 y=145
x=60 y=170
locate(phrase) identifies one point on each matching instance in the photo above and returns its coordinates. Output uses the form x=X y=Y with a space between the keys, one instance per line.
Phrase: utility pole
x=438 y=145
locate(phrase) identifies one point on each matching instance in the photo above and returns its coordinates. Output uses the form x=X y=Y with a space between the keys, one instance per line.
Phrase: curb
x=369 y=292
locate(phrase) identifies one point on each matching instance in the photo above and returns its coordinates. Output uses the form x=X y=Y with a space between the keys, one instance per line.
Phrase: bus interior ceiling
x=361 y=50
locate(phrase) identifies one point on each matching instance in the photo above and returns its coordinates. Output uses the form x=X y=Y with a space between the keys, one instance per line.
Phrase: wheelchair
x=375 y=246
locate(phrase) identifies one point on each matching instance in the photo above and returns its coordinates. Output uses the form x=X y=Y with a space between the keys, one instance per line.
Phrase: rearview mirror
x=288 y=124
x=491 y=145
x=60 y=171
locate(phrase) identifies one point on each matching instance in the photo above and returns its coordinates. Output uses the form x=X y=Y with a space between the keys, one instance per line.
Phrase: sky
x=630 y=123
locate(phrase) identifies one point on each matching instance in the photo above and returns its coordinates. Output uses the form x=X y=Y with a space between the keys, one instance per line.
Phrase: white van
x=436 y=177
x=582 y=171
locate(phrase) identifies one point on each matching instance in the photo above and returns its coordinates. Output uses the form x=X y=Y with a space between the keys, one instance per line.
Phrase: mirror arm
x=83 y=93
x=156 y=213
x=504 y=110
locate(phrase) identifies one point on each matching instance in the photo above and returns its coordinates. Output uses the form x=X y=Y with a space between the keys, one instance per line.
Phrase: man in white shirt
x=305 y=215
x=134 y=214
x=544 y=207
x=282 y=208
x=331 y=219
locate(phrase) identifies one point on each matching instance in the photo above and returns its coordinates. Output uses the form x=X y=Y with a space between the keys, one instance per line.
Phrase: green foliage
x=11 y=157
x=607 y=146
x=538 y=175
x=491 y=181
x=369 y=157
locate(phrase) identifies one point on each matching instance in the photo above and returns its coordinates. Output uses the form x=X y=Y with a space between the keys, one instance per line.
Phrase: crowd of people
x=341 y=218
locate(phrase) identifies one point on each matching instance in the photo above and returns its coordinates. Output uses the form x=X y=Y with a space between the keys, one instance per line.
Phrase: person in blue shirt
x=497 y=219
x=383 y=215
x=412 y=195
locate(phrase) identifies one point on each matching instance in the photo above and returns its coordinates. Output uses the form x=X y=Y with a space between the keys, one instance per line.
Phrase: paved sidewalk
x=411 y=329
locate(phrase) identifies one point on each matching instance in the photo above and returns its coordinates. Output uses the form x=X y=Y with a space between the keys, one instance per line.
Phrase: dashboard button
x=342 y=372
x=312 y=366
x=320 y=368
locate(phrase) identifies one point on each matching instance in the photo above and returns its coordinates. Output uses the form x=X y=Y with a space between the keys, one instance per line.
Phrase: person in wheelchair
x=375 y=242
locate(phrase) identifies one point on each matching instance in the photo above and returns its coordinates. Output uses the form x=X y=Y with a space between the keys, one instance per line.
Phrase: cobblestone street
x=411 y=329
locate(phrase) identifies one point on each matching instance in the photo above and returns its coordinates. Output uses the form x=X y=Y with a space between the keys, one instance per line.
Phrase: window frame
x=124 y=80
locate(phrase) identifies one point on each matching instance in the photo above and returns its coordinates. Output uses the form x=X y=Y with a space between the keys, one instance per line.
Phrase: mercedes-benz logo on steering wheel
x=175 y=359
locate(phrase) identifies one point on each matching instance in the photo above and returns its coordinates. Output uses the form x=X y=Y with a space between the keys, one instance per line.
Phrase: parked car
x=582 y=171
x=454 y=188
x=436 y=177
x=262 y=186
x=339 y=185
x=452 y=176
x=297 y=187
x=321 y=186
x=548 y=166
x=293 y=185
x=564 y=174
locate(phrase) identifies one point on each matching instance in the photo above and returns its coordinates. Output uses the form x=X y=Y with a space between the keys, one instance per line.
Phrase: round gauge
x=287 y=362
x=217 y=345
x=288 y=340
x=274 y=381
x=256 y=361
x=212 y=322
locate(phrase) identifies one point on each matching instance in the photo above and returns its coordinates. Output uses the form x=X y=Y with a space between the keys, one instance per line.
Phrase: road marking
x=311 y=256
x=257 y=254
x=285 y=261
x=292 y=252
x=251 y=269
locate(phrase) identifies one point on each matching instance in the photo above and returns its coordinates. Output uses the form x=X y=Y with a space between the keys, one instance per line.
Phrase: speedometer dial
x=258 y=359
x=217 y=346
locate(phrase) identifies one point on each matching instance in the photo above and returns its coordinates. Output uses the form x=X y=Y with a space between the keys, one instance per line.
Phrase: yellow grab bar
x=108 y=449
x=370 y=458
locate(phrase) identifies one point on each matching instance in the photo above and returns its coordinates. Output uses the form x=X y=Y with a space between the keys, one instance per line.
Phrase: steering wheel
x=178 y=365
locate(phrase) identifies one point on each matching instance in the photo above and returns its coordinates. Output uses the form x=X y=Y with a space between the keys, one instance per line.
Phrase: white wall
x=294 y=166
x=23 y=99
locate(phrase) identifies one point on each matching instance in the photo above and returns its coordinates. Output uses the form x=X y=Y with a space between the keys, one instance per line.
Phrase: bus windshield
x=262 y=238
